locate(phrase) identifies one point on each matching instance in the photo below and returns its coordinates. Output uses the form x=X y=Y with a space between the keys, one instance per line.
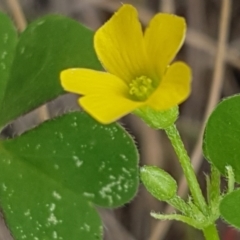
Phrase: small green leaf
x=8 y=41
x=230 y=178
x=222 y=136
x=46 y=47
x=66 y=164
x=230 y=208
x=158 y=182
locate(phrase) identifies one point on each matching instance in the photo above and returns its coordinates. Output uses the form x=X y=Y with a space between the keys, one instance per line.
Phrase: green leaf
x=37 y=207
x=222 y=136
x=230 y=208
x=73 y=157
x=46 y=47
x=8 y=41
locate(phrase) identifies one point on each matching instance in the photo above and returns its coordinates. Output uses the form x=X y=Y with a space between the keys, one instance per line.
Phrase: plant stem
x=211 y=233
x=188 y=170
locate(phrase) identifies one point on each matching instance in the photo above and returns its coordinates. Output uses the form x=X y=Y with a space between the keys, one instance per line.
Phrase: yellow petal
x=163 y=39
x=119 y=45
x=108 y=108
x=173 y=89
x=86 y=81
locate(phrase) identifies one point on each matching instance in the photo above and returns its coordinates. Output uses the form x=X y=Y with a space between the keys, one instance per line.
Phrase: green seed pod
x=157 y=119
x=158 y=182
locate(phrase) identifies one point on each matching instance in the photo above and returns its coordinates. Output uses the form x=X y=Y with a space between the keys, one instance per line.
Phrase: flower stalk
x=188 y=170
x=211 y=233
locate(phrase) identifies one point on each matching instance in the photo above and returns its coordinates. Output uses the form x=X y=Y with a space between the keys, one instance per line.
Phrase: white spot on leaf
x=77 y=161
x=56 y=195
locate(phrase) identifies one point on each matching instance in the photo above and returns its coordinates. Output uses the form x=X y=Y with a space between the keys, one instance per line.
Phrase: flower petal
x=173 y=89
x=119 y=45
x=108 y=108
x=163 y=39
x=87 y=81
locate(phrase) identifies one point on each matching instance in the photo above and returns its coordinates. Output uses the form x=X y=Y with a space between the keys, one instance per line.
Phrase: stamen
x=141 y=88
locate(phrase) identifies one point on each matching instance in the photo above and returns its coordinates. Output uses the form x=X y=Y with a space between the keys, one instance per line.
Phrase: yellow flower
x=137 y=64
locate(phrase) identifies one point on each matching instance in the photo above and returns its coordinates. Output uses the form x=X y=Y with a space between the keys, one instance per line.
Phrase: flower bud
x=158 y=182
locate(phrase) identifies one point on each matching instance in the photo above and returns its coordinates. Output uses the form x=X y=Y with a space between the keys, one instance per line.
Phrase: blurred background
x=212 y=49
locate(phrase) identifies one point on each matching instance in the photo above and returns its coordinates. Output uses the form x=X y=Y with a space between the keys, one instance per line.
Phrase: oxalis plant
x=53 y=176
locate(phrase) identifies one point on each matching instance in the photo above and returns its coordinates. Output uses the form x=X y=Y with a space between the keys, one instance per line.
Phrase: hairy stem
x=188 y=170
x=211 y=233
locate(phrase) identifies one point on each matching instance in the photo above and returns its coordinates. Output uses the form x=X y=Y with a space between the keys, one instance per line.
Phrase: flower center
x=141 y=87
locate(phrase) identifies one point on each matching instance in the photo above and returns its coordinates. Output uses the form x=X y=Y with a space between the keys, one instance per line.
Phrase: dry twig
x=18 y=14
